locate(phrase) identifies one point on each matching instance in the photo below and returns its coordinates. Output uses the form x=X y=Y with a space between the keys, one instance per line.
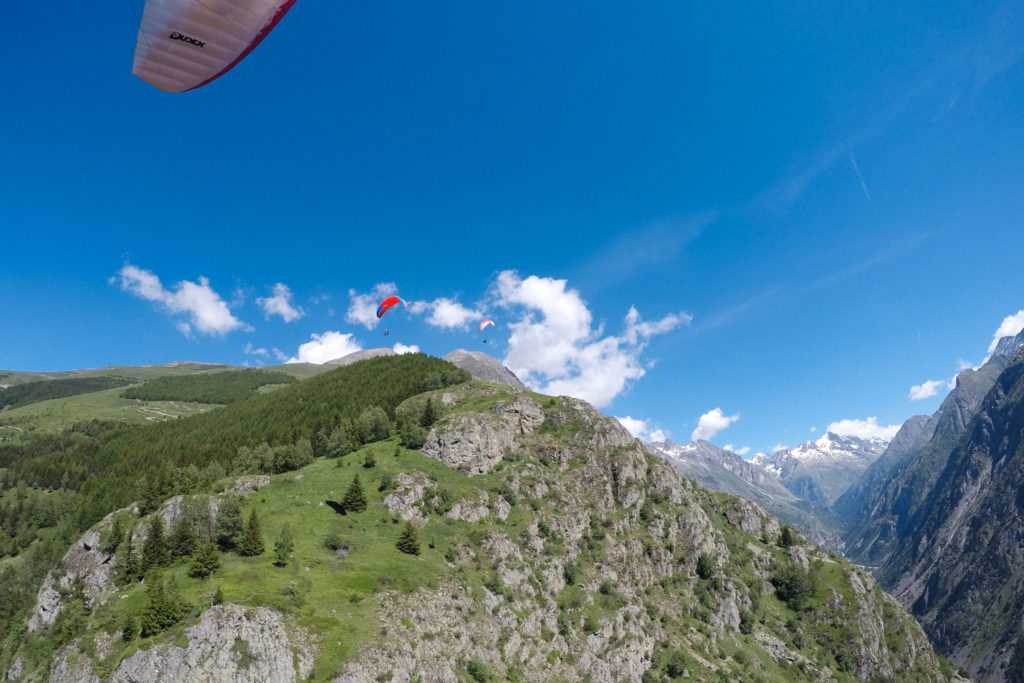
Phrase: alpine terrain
x=396 y=519
x=939 y=518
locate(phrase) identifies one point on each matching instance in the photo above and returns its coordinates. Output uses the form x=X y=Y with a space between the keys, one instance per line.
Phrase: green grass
x=61 y=413
x=335 y=596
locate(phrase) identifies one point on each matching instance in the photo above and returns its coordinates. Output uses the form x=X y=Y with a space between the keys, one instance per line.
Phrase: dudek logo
x=180 y=36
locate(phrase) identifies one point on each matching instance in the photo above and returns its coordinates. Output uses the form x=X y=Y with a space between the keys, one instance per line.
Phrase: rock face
x=963 y=576
x=483 y=367
x=85 y=560
x=405 y=501
x=475 y=442
x=228 y=644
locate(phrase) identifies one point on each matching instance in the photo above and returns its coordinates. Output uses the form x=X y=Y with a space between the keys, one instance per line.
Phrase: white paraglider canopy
x=184 y=44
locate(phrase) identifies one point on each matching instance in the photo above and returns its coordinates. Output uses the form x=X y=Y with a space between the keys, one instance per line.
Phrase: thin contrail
x=863 y=185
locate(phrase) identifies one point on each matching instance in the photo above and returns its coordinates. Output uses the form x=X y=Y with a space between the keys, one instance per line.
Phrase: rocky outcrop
x=471 y=510
x=405 y=501
x=88 y=562
x=475 y=442
x=229 y=644
x=85 y=561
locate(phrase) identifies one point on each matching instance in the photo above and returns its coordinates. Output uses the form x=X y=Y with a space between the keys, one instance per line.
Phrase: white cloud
x=778 y=447
x=445 y=313
x=280 y=304
x=401 y=348
x=207 y=312
x=554 y=349
x=928 y=389
x=325 y=347
x=712 y=422
x=250 y=350
x=864 y=429
x=362 y=308
x=642 y=429
x=738 y=451
x=1010 y=327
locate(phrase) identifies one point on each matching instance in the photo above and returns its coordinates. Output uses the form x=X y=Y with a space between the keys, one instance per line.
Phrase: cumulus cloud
x=642 y=429
x=554 y=347
x=251 y=350
x=928 y=389
x=738 y=451
x=445 y=313
x=864 y=429
x=362 y=309
x=711 y=423
x=400 y=348
x=280 y=304
x=325 y=347
x=1010 y=327
x=206 y=311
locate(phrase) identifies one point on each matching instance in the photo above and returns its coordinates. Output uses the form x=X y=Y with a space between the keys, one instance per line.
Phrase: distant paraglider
x=185 y=44
x=386 y=305
x=484 y=324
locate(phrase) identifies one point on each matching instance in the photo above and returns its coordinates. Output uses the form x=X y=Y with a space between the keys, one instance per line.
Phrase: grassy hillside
x=33 y=392
x=210 y=387
x=57 y=415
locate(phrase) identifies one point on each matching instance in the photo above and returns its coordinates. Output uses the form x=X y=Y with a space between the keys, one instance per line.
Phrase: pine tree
x=205 y=561
x=251 y=543
x=355 y=498
x=284 y=545
x=408 y=542
x=318 y=443
x=228 y=526
x=183 y=538
x=127 y=567
x=115 y=536
x=162 y=610
x=430 y=414
x=786 y=537
x=154 y=548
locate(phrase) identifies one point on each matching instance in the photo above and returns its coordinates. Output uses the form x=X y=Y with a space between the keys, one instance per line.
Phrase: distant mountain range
x=820 y=471
x=721 y=470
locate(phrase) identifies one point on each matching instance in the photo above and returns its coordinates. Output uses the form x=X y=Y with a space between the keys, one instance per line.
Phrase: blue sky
x=789 y=214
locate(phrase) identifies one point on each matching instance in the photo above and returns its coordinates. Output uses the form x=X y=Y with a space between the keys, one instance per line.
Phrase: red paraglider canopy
x=388 y=303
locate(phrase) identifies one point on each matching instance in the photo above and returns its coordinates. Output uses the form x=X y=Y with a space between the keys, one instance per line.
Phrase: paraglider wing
x=386 y=305
x=485 y=323
x=184 y=44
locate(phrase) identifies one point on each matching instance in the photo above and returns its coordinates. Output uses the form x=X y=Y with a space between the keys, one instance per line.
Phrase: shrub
x=794 y=585
x=705 y=566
